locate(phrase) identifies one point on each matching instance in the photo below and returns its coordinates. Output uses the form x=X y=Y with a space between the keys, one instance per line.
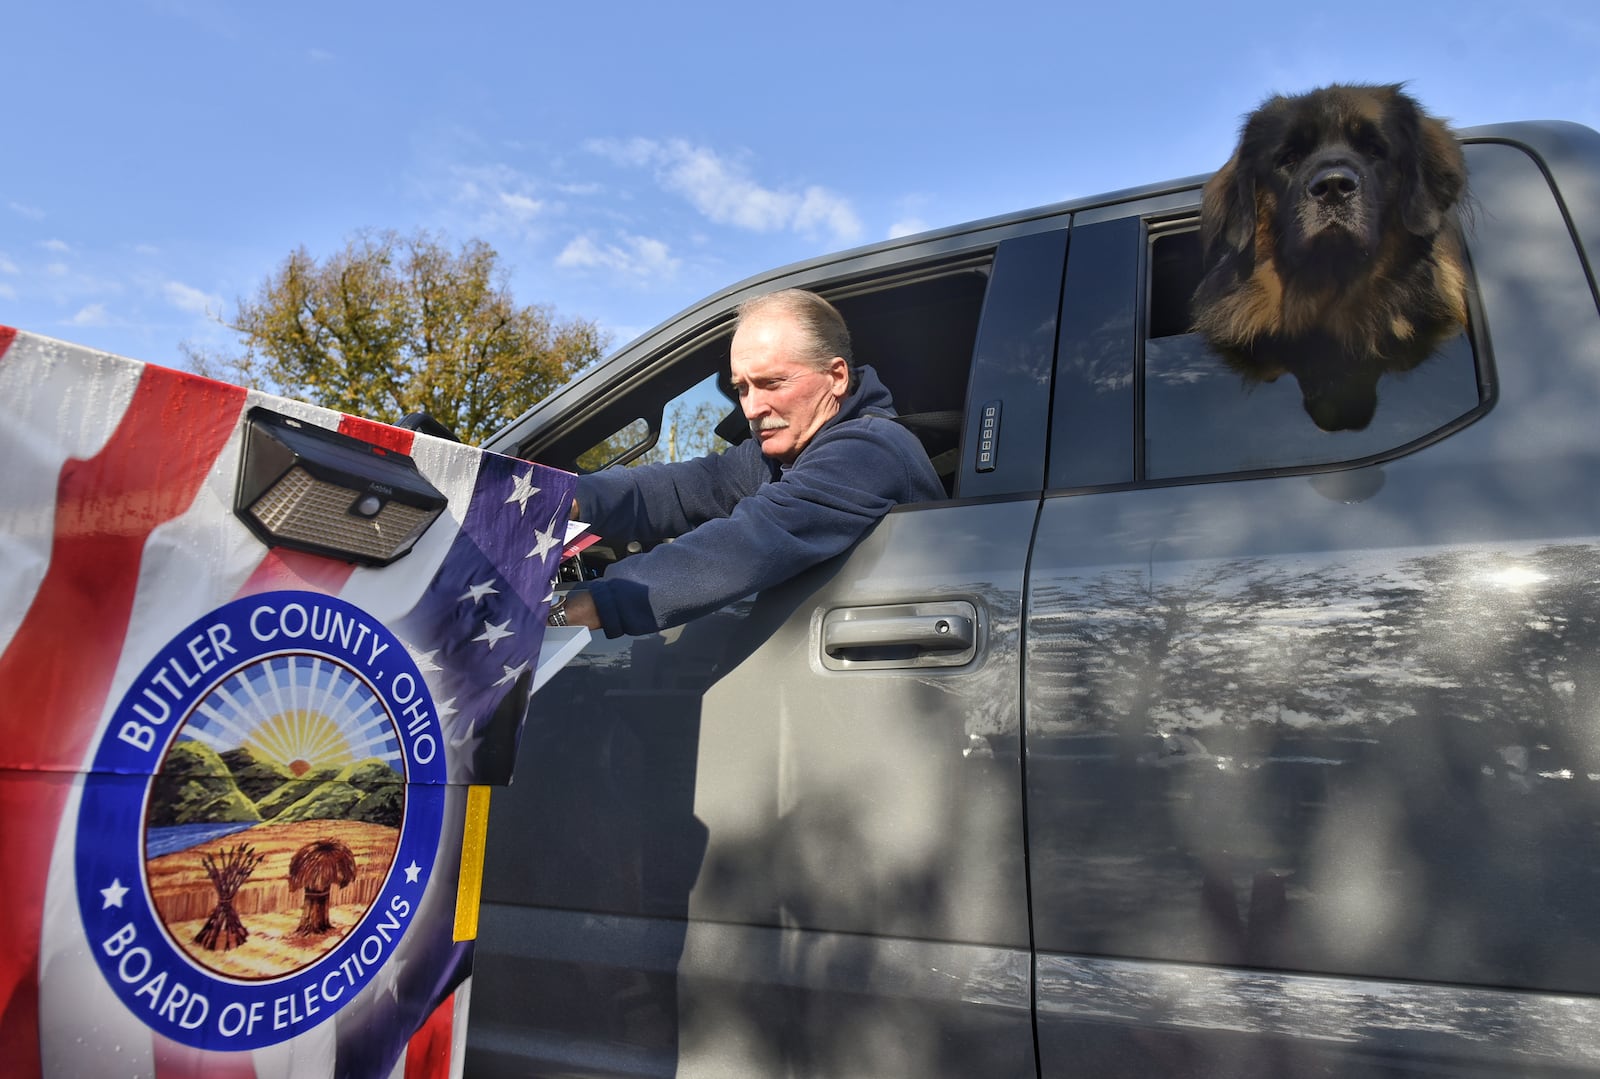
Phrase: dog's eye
x=1288 y=158
x=1370 y=143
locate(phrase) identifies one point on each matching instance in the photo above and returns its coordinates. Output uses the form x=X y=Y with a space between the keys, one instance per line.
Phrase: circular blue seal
x=261 y=820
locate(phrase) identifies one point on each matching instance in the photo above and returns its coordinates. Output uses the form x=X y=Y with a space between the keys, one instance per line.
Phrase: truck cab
x=1261 y=750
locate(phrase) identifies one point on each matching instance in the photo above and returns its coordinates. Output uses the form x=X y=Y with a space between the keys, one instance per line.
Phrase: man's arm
x=656 y=502
x=837 y=490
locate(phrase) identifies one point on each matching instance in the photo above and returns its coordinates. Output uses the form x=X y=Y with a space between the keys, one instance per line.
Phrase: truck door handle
x=900 y=635
x=931 y=632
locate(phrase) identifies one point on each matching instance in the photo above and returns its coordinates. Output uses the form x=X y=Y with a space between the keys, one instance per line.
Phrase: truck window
x=682 y=430
x=917 y=328
x=1202 y=419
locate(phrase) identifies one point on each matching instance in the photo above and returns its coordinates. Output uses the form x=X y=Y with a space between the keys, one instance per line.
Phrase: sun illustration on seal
x=274 y=818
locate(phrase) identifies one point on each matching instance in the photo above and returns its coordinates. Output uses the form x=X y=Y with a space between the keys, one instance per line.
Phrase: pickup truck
x=1183 y=738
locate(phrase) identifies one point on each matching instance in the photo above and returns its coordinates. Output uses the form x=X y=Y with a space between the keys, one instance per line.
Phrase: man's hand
x=580 y=609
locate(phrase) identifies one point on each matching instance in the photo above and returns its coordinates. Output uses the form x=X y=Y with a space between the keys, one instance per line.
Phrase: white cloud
x=319 y=56
x=822 y=208
x=581 y=253
x=59 y=246
x=907 y=227
x=33 y=213
x=520 y=206
x=637 y=256
x=7 y=266
x=92 y=315
x=497 y=196
x=634 y=152
x=192 y=300
x=724 y=192
x=7 y=292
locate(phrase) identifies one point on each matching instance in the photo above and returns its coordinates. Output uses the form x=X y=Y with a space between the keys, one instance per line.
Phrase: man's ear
x=839 y=376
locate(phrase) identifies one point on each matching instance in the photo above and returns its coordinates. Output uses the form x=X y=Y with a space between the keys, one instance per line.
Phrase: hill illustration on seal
x=273 y=821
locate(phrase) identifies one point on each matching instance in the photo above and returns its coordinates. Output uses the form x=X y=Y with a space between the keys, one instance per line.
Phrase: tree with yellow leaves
x=396 y=324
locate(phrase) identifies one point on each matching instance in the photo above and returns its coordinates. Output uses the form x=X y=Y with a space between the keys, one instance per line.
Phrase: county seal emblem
x=260 y=821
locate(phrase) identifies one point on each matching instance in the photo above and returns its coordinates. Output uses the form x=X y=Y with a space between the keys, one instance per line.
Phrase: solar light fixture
x=311 y=489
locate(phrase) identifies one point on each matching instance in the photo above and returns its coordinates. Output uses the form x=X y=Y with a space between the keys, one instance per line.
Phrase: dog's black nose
x=1333 y=183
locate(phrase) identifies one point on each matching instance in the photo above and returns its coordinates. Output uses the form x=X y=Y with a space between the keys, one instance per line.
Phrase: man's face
x=785 y=398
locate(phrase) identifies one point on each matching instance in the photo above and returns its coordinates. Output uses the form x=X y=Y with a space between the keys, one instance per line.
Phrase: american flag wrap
x=234 y=780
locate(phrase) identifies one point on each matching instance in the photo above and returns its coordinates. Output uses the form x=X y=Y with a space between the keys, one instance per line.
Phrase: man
x=825 y=462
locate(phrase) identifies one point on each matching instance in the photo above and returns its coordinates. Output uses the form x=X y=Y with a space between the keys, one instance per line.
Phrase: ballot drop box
x=259 y=664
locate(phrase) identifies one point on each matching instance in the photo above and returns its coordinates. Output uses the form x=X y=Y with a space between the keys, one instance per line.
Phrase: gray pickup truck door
x=1312 y=777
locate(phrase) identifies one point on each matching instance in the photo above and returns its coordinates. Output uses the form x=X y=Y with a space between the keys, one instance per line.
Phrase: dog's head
x=1318 y=180
x=1331 y=249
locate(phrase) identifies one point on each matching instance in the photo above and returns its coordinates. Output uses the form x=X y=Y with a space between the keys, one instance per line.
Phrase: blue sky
x=164 y=156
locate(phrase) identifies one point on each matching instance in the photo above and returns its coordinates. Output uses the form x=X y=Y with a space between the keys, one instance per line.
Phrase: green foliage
x=688 y=430
x=395 y=324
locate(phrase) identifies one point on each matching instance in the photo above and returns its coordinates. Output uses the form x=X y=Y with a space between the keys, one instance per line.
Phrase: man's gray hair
x=822 y=328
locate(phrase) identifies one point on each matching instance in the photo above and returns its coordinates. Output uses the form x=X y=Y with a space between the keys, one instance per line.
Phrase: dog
x=1332 y=246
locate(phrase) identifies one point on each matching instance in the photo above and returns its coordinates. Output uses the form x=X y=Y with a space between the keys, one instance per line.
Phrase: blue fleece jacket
x=740 y=521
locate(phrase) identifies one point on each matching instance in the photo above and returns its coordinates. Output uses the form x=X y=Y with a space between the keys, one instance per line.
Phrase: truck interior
x=916 y=329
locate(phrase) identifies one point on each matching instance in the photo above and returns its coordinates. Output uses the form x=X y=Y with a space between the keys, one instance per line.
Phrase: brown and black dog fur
x=1332 y=246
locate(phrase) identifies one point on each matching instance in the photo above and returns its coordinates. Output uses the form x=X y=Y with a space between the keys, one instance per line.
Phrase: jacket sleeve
x=827 y=501
x=656 y=502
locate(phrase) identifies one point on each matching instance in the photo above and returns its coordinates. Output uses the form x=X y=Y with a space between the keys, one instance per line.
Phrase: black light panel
x=311 y=489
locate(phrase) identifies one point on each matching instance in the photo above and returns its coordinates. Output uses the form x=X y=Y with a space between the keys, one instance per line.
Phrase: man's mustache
x=768 y=423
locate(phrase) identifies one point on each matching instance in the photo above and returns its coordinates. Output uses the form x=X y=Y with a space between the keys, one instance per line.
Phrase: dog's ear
x=1434 y=174
x=1228 y=213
